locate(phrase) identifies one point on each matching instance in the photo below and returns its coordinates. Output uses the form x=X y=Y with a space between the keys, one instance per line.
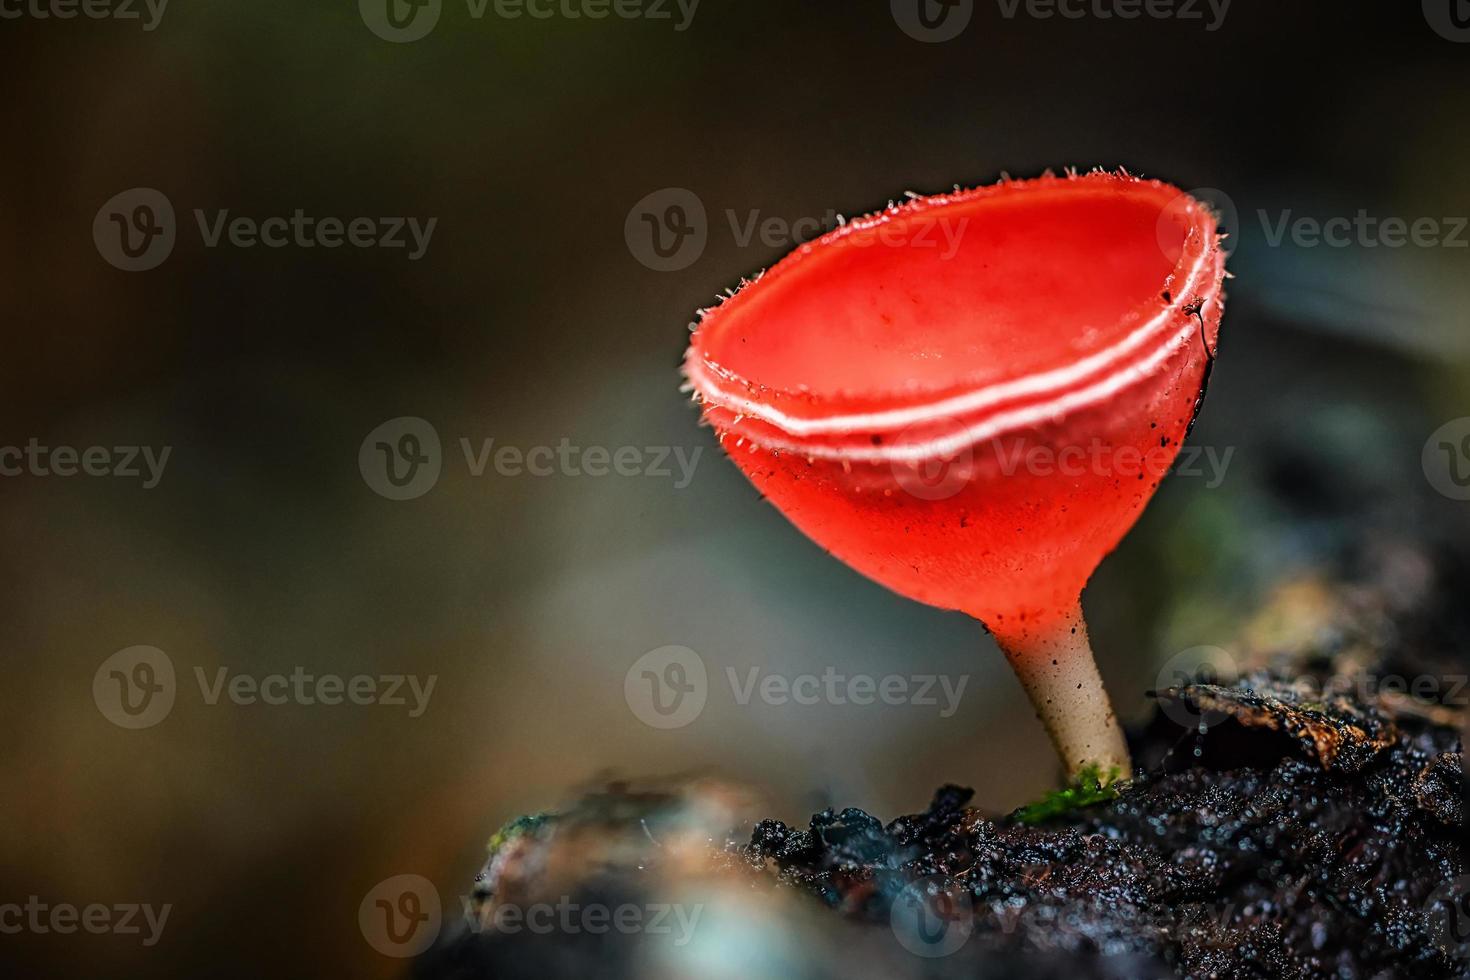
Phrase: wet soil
x=1304 y=818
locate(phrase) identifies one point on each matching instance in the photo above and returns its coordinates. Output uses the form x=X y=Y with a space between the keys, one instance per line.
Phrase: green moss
x=1089 y=788
x=516 y=828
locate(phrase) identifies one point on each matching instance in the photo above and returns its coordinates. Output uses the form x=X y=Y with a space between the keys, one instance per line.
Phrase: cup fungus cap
x=971 y=397
x=1071 y=313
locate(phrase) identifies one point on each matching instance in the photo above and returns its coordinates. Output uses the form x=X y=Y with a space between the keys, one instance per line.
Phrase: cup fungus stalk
x=1055 y=666
x=971 y=397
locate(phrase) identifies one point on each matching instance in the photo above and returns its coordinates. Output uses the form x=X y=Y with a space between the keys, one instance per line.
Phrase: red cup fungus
x=971 y=397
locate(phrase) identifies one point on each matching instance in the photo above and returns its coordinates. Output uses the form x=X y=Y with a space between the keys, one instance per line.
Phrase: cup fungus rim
x=1191 y=293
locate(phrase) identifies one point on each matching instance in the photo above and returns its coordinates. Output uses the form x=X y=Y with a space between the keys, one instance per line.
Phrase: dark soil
x=1304 y=820
x=1288 y=867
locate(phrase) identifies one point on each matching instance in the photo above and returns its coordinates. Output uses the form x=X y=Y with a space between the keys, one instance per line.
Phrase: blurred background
x=537 y=316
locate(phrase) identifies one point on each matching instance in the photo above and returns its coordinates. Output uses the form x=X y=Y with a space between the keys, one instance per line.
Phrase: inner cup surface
x=962 y=294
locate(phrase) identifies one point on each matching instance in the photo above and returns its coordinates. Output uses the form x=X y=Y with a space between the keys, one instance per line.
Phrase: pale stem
x=1055 y=665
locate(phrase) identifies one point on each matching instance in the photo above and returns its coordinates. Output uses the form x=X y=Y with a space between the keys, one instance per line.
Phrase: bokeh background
x=531 y=320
